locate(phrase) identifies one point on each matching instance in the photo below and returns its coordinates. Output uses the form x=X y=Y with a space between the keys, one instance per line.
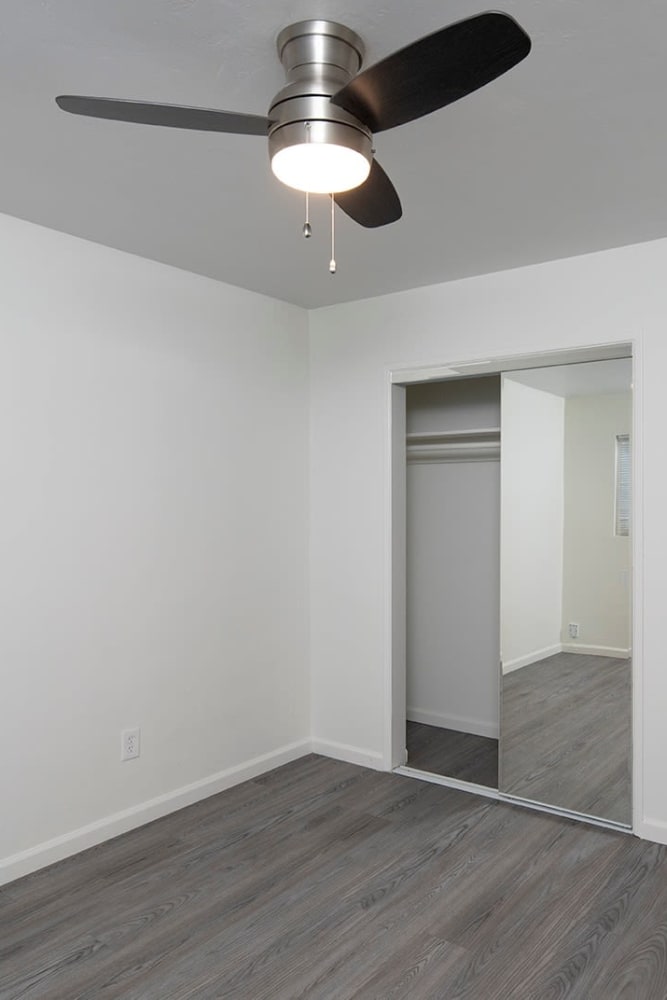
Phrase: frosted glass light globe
x=321 y=168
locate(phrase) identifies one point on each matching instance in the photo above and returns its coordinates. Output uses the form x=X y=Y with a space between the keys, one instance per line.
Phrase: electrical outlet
x=573 y=630
x=130 y=744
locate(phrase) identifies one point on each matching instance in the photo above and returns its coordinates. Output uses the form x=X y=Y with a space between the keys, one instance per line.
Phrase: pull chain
x=307 y=228
x=332 y=262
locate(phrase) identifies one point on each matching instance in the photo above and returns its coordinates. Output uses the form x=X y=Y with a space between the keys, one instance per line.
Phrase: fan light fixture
x=320 y=157
x=320 y=169
x=313 y=145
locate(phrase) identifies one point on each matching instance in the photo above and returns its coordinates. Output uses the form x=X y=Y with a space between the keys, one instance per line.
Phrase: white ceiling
x=587 y=379
x=565 y=154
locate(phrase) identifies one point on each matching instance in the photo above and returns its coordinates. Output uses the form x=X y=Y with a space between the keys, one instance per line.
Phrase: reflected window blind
x=623 y=483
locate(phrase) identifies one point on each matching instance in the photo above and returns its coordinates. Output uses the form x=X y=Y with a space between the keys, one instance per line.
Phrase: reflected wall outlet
x=130 y=744
x=573 y=630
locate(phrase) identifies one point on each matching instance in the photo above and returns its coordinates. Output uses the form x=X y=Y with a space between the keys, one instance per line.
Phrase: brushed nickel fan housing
x=319 y=57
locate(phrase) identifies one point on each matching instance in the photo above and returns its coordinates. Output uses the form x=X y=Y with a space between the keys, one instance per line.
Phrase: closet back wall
x=453 y=526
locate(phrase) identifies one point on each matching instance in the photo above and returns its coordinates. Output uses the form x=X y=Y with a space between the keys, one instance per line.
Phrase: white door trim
x=397 y=378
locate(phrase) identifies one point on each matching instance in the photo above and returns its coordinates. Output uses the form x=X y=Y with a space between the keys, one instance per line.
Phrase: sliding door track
x=514 y=800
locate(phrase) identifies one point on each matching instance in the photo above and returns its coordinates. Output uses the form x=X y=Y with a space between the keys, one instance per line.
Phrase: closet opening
x=452 y=577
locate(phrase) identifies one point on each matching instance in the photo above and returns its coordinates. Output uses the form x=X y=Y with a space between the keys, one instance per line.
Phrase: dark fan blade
x=374 y=203
x=173 y=115
x=435 y=71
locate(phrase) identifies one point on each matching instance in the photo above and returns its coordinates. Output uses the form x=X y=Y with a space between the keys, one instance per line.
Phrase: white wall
x=596 y=562
x=153 y=540
x=531 y=583
x=453 y=405
x=611 y=296
x=153 y=549
x=453 y=595
x=453 y=540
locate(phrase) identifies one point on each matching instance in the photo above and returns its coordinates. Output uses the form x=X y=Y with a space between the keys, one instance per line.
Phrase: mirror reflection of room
x=453 y=540
x=566 y=587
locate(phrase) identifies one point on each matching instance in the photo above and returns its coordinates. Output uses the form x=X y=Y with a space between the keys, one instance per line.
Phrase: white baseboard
x=534 y=657
x=459 y=723
x=350 y=754
x=652 y=829
x=579 y=647
x=565 y=647
x=74 y=841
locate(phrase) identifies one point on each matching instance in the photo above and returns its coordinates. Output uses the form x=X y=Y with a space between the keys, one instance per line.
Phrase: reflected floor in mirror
x=566 y=734
x=453 y=755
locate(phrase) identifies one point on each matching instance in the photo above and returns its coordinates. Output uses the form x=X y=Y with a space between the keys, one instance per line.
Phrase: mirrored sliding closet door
x=566 y=587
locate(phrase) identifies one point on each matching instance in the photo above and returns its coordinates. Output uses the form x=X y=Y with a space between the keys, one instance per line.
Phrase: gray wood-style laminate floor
x=455 y=755
x=565 y=734
x=327 y=881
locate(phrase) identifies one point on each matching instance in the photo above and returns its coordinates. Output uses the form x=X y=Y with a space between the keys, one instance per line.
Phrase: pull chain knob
x=307 y=228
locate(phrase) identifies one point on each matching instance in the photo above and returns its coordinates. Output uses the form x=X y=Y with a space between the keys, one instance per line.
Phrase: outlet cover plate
x=130 y=744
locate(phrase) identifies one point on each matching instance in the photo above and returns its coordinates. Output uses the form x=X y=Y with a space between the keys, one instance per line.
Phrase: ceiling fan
x=320 y=125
